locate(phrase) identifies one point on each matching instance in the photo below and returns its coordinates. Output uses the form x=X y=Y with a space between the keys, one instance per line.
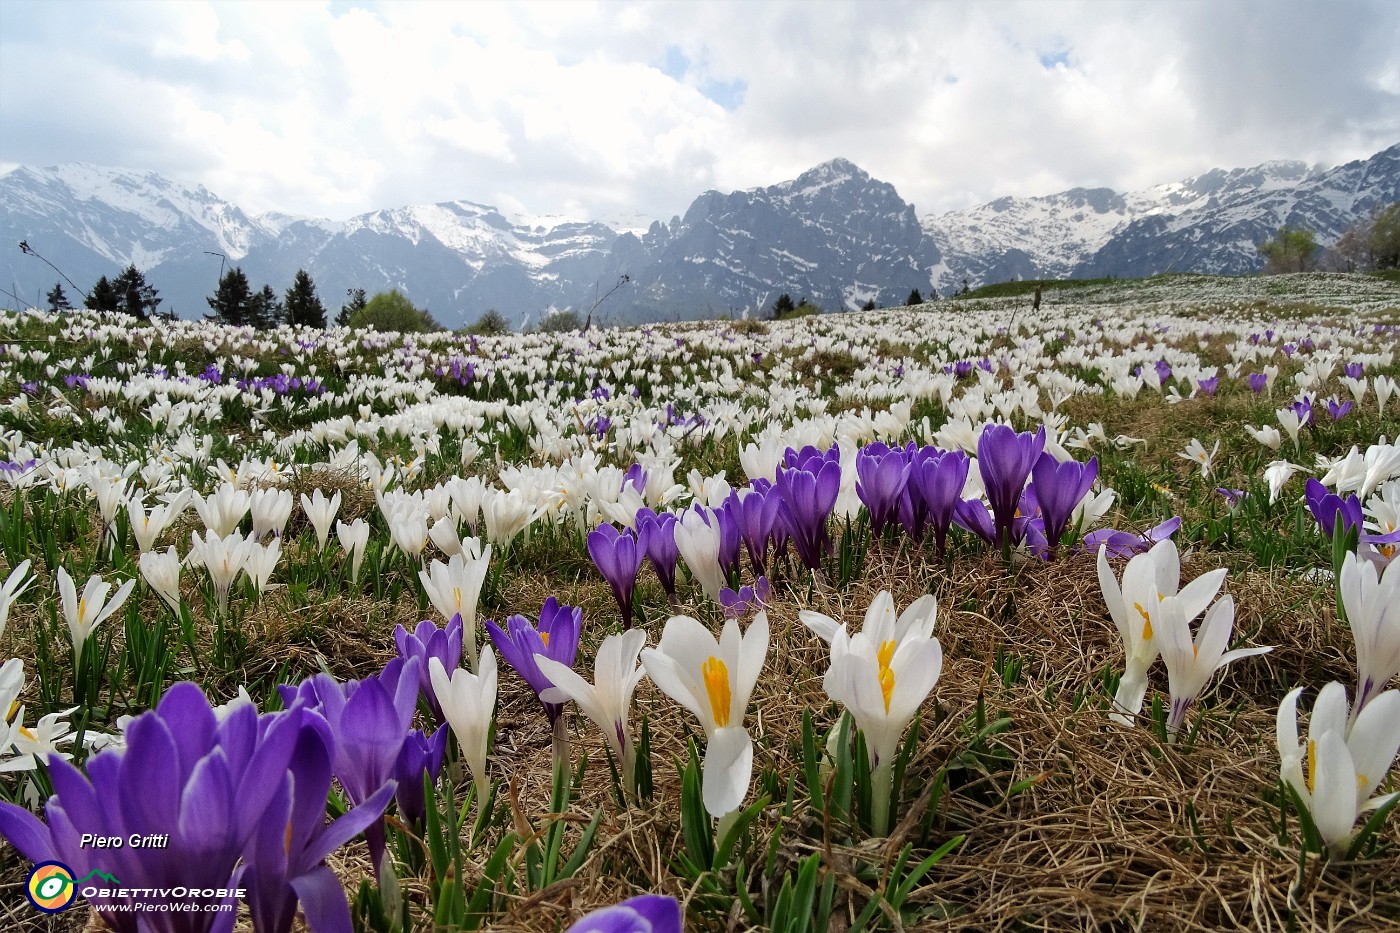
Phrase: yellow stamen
x=1312 y=765
x=544 y=637
x=717 y=686
x=27 y=734
x=884 y=655
x=82 y=608
x=11 y=714
x=1146 y=622
x=287 y=839
x=1361 y=781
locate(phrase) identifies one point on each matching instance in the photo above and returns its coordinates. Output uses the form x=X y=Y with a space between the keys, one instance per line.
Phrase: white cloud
x=332 y=110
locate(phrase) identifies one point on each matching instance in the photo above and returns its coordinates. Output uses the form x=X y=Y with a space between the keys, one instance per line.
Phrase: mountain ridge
x=834 y=234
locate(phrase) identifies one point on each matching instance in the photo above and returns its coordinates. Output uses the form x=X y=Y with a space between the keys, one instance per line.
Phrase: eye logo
x=50 y=887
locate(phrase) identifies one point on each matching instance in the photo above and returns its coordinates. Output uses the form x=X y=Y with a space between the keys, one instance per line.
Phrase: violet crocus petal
x=185 y=711
x=349 y=825
x=148 y=788
x=27 y=833
x=205 y=827
x=648 y=913
x=372 y=734
x=322 y=900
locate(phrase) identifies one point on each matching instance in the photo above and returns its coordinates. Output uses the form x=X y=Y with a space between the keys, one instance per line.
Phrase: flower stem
x=881 y=785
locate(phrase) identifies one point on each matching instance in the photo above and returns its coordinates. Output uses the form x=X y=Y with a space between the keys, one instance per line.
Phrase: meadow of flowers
x=962 y=617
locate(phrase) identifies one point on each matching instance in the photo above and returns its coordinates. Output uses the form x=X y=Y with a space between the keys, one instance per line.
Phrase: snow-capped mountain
x=834 y=235
x=1211 y=223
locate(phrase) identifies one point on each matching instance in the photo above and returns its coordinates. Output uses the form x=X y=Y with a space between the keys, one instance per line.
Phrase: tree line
x=235 y=302
x=1370 y=243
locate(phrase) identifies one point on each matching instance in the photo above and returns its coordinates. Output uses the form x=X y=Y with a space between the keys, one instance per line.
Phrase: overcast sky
x=610 y=109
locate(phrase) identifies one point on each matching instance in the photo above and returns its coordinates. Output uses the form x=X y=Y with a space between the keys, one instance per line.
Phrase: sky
x=625 y=110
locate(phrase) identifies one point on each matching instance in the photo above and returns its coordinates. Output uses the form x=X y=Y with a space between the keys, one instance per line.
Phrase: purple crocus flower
x=556 y=637
x=972 y=515
x=648 y=913
x=1327 y=507
x=808 y=496
x=748 y=599
x=658 y=539
x=938 y=477
x=618 y=557
x=1125 y=543
x=881 y=475
x=1208 y=386
x=637 y=477
x=1337 y=409
x=1232 y=496
x=370 y=720
x=420 y=755
x=754 y=510
x=1258 y=382
x=1353 y=370
x=1303 y=408
x=428 y=641
x=205 y=782
x=1005 y=459
x=1164 y=370
x=286 y=857
x=1059 y=487
x=730 y=538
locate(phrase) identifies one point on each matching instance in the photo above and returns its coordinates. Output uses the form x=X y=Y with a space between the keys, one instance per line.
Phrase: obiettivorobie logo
x=51 y=886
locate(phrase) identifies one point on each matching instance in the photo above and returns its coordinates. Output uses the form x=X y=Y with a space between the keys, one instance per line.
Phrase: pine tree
x=915 y=298
x=58 y=301
x=232 y=303
x=264 y=310
x=134 y=296
x=782 y=305
x=104 y=297
x=303 y=307
x=356 y=302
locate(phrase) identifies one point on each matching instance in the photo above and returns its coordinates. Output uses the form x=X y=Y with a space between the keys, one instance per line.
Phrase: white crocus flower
x=1277 y=474
x=270 y=508
x=320 y=512
x=15 y=584
x=1339 y=768
x=262 y=560
x=161 y=571
x=881 y=675
x=1291 y=423
x=1191 y=663
x=1372 y=603
x=468 y=701
x=1196 y=452
x=608 y=700
x=698 y=542
x=506 y=515
x=1385 y=388
x=222 y=510
x=224 y=557
x=1147 y=578
x=1267 y=435
x=84 y=613
x=147 y=525
x=454 y=588
x=714 y=680
x=353 y=538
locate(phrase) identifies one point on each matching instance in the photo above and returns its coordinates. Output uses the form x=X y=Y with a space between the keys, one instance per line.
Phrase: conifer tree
x=58 y=299
x=232 y=303
x=103 y=298
x=356 y=302
x=264 y=310
x=134 y=295
x=302 y=305
x=915 y=298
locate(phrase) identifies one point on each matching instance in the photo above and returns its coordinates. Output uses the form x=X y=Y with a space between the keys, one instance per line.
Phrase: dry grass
x=1112 y=829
